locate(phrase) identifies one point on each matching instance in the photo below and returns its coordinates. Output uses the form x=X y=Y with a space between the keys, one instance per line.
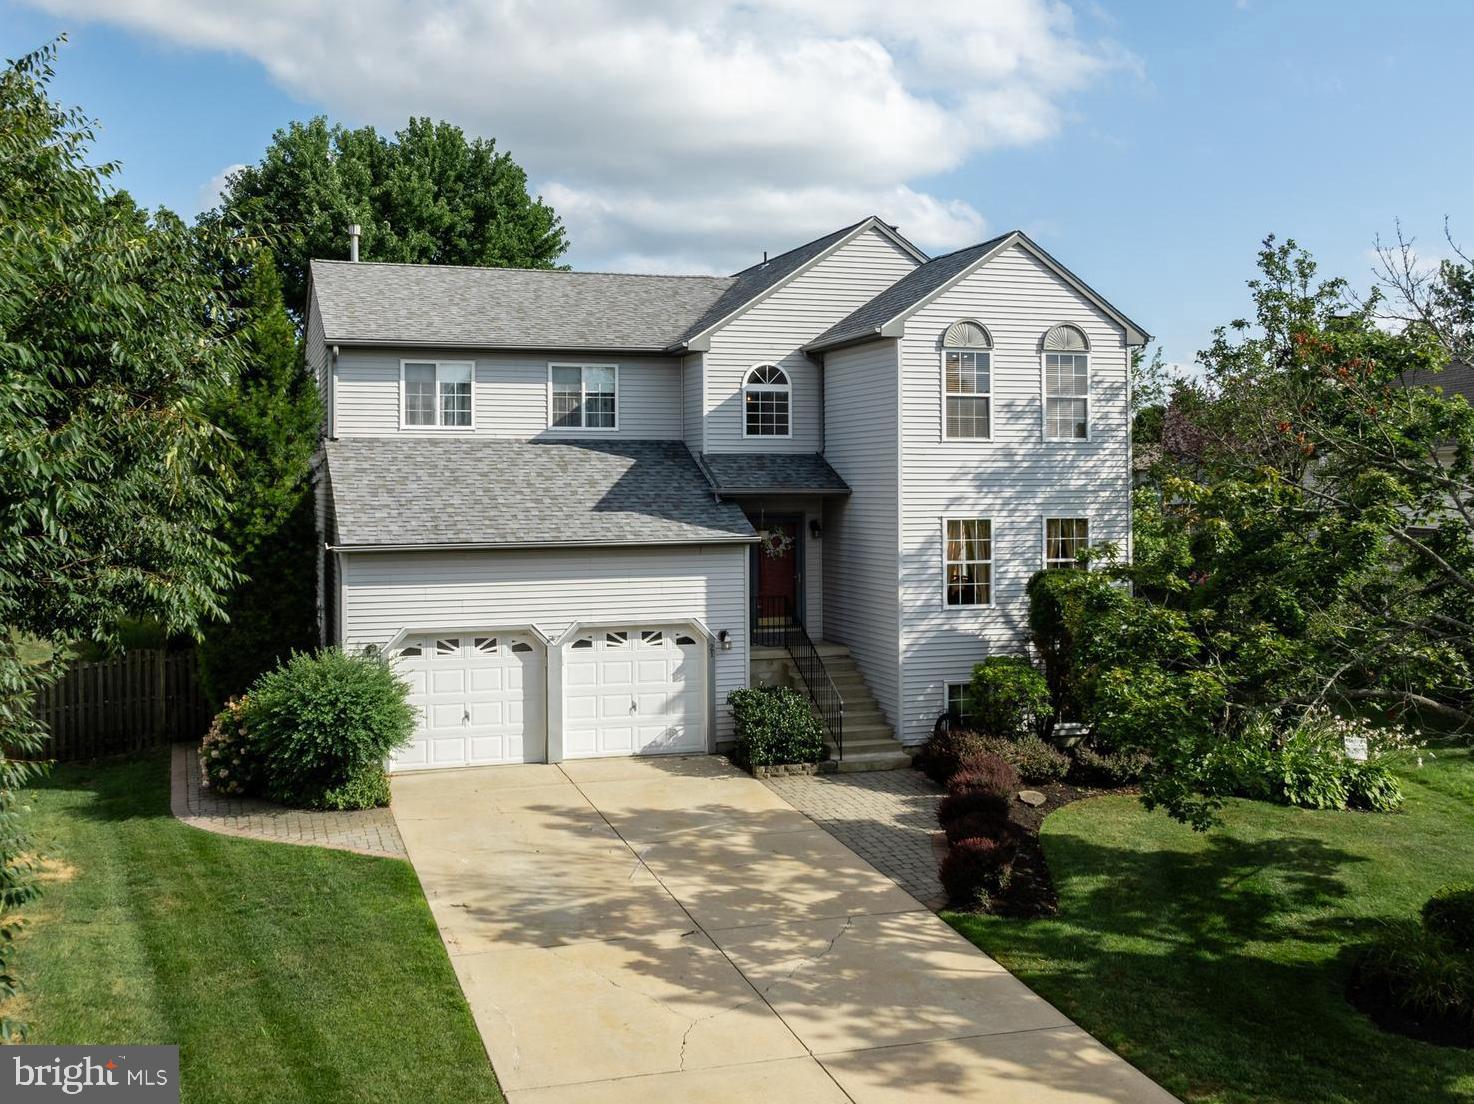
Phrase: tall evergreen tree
x=273 y=415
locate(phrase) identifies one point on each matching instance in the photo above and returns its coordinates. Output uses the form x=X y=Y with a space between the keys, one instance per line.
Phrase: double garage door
x=482 y=699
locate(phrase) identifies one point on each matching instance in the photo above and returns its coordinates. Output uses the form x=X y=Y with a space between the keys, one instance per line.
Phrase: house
x=578 y=509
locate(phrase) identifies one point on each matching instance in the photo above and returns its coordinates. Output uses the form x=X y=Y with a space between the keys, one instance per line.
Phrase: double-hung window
x=967 y=388
x=583 y=396
x=1066 y=384
x=968 y=561
x=437 y=393
x=1064 y=540
x=957 y=703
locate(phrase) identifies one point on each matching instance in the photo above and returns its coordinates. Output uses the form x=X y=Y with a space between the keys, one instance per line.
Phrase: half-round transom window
x=765 y=402
x=967 y=370
x=1065 y=338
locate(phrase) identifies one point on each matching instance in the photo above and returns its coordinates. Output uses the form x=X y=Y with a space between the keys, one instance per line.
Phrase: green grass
x=1217 y=962
x=284 y=973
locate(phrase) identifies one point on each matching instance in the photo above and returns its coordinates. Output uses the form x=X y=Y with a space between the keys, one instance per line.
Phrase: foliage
x=114 y=337
x=989 y=823
x=1449 y=914
x=227 y=756
x=368 y=789
x=1412 y=981
x=428 y=195
x=1373 y=787
x=273 y=414
x=319 y=722
x=974 y=869
x=1007 y=697
x=775 y=725
x=1037 y=760
x=984 y=772
x=986 y=803
x=1109 y=769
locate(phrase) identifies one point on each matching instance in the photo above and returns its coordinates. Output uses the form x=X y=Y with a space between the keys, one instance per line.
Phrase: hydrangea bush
x=227 y=762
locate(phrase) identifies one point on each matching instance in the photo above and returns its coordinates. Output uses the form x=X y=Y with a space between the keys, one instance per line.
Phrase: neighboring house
x=565 y=501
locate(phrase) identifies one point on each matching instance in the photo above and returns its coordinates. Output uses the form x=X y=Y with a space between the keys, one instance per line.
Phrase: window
x=1066 y=384
x=486 y=645
x=1064 y=540
x=969 y=561
x=967 y=363
x=583 y=396
x=652 y=639
x=957 y=702
x=616 y=640
x=448 y=646
x=437 y=394
x=765 y=395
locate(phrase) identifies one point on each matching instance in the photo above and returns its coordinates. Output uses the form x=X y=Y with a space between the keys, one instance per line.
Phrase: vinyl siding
x=1017 y=479
x=692 y=425
x=860 y=531
x=510 y=394
x=551 y=590
x=316 y=352
x=774 y=331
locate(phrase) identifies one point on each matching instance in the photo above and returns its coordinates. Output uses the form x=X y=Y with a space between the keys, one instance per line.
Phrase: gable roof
x=364 y=302
x=464 y=492
x=451 y=306
x=885 y=315
x=1455 y=379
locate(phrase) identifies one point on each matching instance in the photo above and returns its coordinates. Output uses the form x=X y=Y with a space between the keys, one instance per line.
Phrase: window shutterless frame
x=947 y=561
x=1065 y=351
x=953 y=703
x=584 y=392
x=767 y=394
x=434 y=401
x=969 y=344
x=1082 y=536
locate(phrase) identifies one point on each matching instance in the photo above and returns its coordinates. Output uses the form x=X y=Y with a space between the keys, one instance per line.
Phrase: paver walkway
x=367 y=831
x=664 y=930
x=888 y=818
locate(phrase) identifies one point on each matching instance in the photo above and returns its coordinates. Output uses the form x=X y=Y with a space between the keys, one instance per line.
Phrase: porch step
x=870 y=743
x=865 y=761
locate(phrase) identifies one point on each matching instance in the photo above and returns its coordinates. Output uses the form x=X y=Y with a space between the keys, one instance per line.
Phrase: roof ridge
x=975 y=245
x=519 y=268
x=805 y=245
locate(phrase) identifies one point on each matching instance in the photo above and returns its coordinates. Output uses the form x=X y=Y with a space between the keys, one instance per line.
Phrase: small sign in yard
x=1356 y=748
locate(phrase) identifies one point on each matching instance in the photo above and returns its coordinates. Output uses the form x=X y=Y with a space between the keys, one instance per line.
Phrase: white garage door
x=480 y=699
x=634 y=691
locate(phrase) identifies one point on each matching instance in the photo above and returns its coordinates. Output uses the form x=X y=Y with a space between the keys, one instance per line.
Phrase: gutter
x=484 y=546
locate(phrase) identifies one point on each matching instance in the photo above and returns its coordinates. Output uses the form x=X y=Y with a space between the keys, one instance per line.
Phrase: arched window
x=967 y=388
x=765 y=402
x=1066 y=384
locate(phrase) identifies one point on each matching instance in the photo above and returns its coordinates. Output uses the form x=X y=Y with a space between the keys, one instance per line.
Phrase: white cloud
x=673 y=130
x=211 y=191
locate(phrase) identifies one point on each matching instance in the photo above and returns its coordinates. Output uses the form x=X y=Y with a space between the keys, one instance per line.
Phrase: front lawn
x=284 y=973
x=1217 y=962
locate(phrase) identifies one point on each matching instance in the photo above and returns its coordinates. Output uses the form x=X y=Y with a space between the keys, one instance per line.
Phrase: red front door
x=777 y=576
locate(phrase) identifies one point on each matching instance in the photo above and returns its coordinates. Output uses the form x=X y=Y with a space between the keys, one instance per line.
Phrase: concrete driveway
x=672 y=930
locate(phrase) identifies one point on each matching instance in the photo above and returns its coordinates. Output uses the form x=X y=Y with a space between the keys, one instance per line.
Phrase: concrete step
x=855 y=763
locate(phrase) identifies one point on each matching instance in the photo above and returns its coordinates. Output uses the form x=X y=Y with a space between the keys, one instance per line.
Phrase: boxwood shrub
x=775 y=725
x=1007 y=697
x=323 y=725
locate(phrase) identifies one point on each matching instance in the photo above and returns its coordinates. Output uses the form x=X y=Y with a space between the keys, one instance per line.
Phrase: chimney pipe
x=353 y=232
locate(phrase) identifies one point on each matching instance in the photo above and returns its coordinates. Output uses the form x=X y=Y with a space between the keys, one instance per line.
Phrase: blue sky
x=1148 y=145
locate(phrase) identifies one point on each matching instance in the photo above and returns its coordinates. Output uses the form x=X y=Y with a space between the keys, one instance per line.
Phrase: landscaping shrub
x=1372 y=786
x=1092 y=767
x=369 y=789
x=1007 y=697
x=943 y=753
x=775 y=725
x=986 y=802
x=322 y=724
x=981 y=824
x=973 y=869
x=1414 y=982
x=228 y=760
x=983 y=771
x=1036 y=759
x=1449 y=915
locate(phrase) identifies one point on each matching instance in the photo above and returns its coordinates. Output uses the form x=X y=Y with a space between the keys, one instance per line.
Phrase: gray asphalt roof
x=399 y=491
x=1456 y=379
x=866 y=320
x=394 y=304
x=771 y=472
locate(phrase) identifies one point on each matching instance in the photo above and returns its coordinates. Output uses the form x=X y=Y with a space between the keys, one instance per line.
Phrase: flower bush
x=228 y=761
x=775 y=725
x=1311 y=768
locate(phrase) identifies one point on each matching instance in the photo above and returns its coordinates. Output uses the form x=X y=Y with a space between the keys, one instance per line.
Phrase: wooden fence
x=139 y=699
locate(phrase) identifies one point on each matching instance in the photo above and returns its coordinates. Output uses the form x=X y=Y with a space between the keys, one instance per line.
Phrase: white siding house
x=577 y=518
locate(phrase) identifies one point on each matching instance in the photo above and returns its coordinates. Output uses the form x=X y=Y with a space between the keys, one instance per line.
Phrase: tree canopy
x=427 y=195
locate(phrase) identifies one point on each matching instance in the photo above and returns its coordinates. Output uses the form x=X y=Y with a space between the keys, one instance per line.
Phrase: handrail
x=775 y=626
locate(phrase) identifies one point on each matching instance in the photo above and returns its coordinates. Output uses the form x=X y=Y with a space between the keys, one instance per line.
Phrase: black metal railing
x=775 y=626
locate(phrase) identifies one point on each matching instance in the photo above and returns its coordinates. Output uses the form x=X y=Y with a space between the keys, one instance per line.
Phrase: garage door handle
x=634 y=706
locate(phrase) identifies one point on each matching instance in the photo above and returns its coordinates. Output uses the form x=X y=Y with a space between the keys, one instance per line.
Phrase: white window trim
x=582 y=392
x=992 y=563
x=947 y=695
x=988 y=394
x=1044 y=397
x=785 y=387
x=437 y=427
x=1044 y=560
